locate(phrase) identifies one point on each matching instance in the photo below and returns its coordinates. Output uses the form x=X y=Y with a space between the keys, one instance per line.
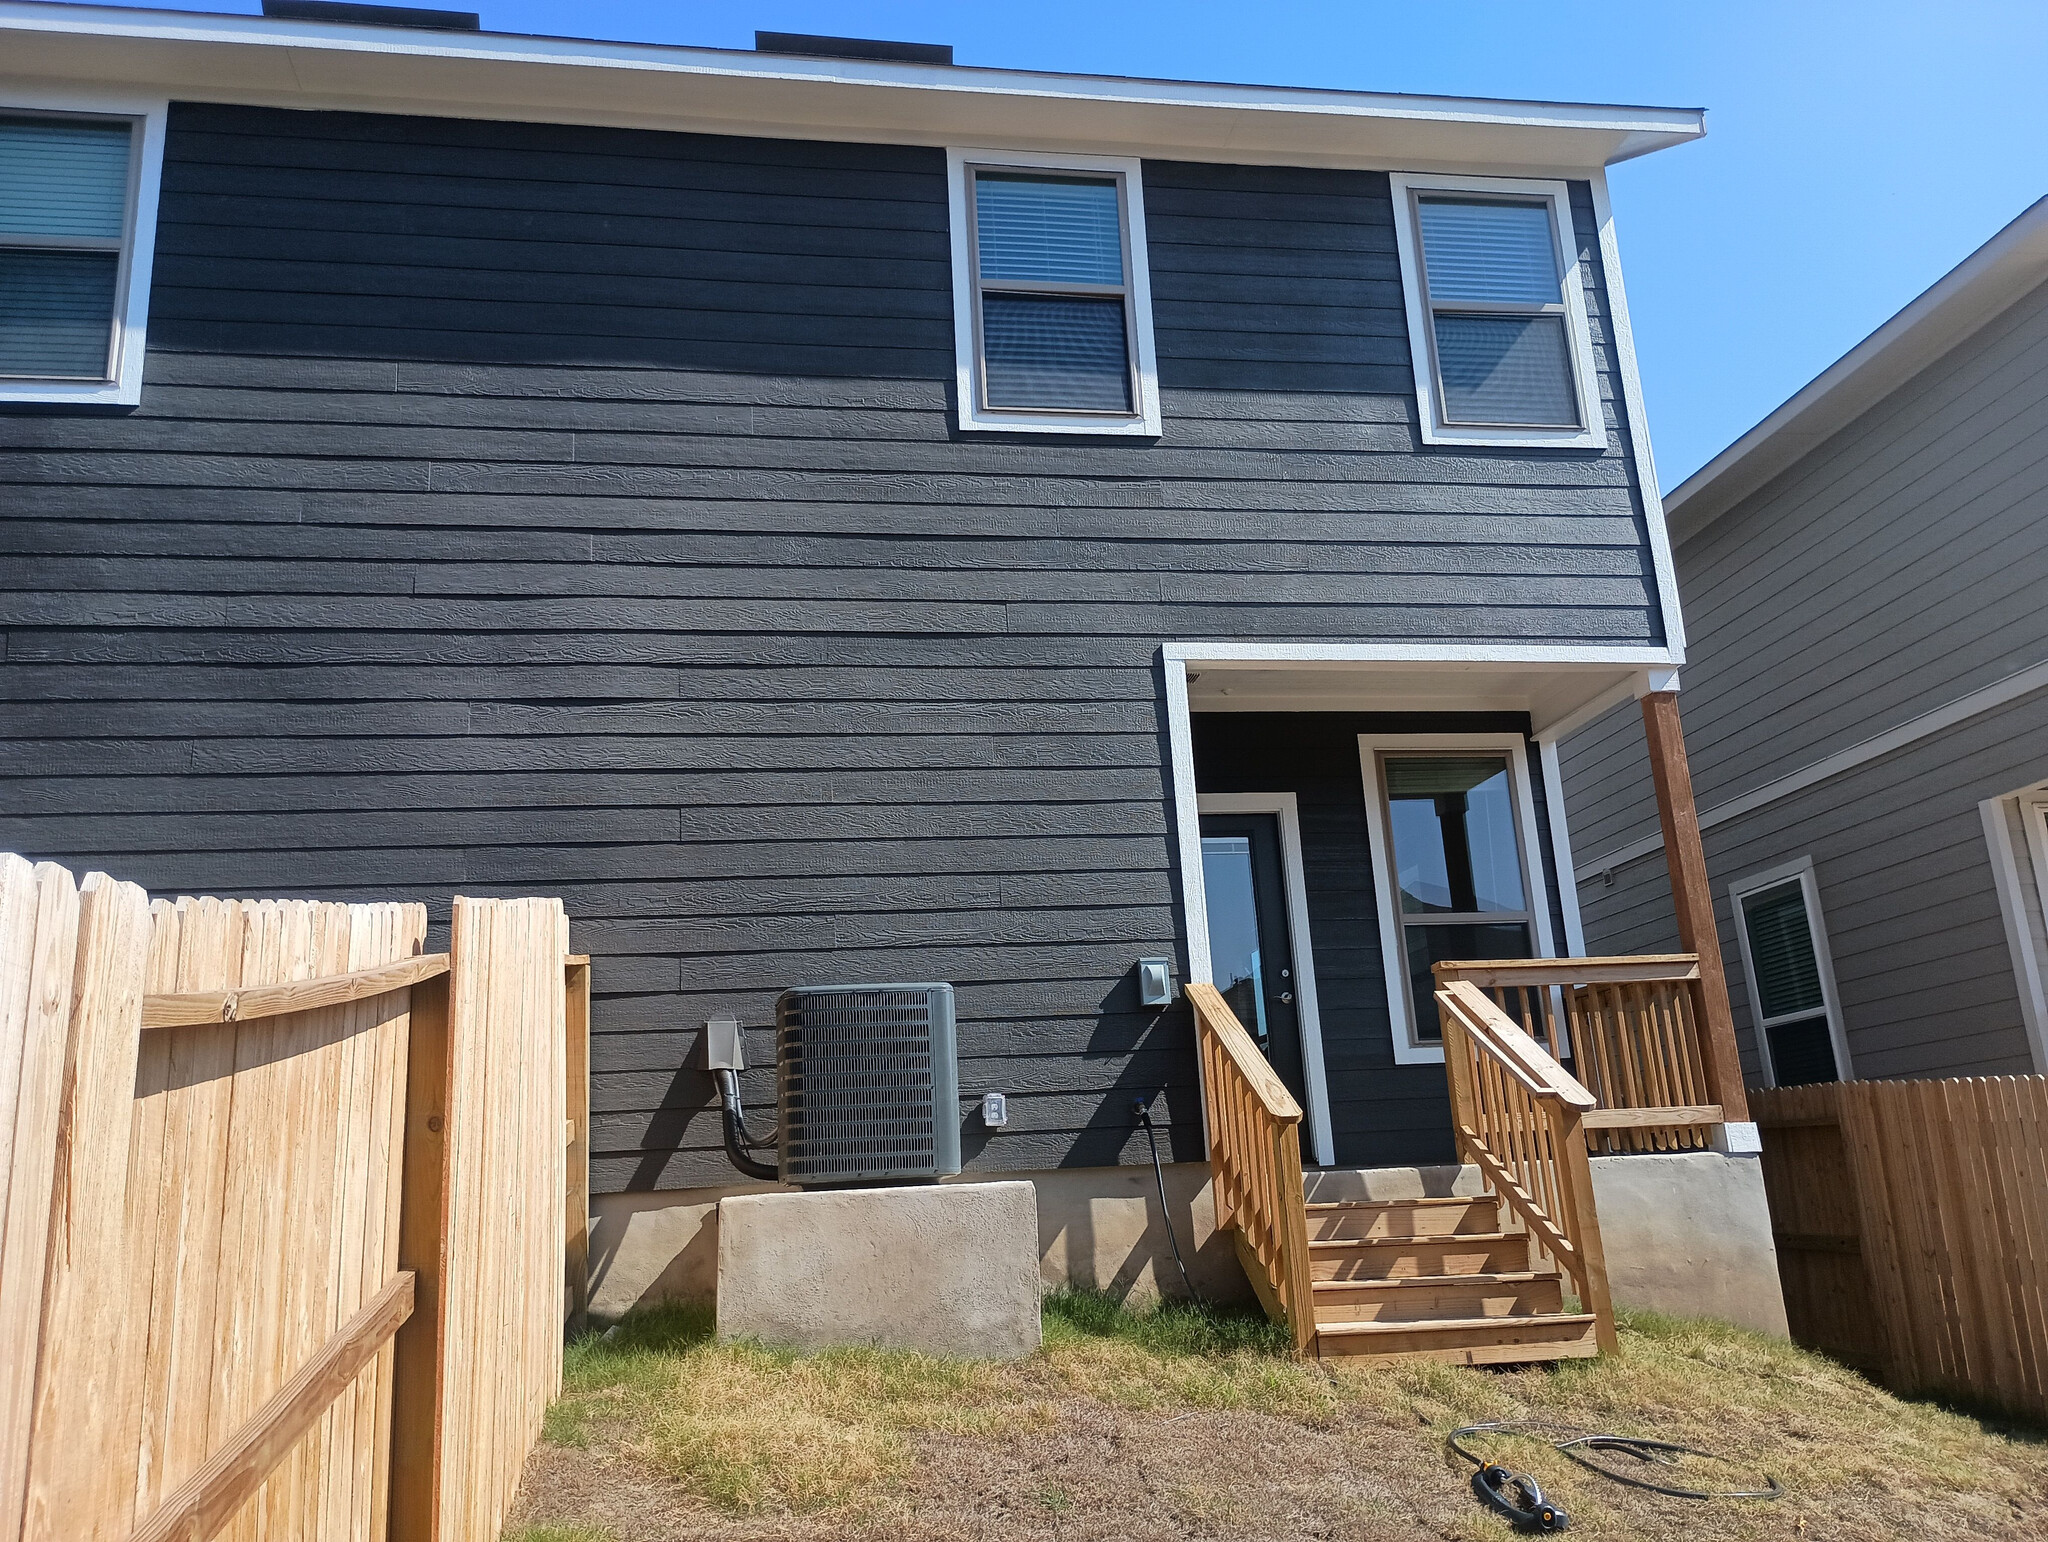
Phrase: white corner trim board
x=1307 y=1009
x=1928 y=724
x=2029 y=973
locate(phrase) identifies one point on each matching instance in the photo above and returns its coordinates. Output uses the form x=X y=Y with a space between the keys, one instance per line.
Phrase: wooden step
x=1360 y=1219
x=1437 y=1298
x=1467 y=1341
x=1395 y=1258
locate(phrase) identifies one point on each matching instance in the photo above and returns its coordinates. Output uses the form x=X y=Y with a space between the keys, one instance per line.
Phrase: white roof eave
x=318 y=64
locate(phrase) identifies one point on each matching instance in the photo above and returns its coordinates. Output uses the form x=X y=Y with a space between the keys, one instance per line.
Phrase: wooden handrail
x=208 y=1500
x=1519 y=1118
x=1632 y=1028
x=191 y=1008
x=1254 y=1126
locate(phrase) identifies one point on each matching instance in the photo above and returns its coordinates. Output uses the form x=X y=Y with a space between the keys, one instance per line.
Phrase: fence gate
x=1911 y=1221
x=283 y=1208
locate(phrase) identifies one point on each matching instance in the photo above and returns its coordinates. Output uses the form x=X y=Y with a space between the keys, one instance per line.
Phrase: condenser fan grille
x=866 y=1083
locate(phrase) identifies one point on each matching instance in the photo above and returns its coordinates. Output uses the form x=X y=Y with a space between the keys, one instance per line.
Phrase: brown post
x=576 y=1217
x=423 y=1248
x=1693 y=898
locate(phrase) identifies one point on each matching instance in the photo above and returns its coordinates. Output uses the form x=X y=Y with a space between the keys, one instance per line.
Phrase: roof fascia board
x=275 y=62
x=1973 y=293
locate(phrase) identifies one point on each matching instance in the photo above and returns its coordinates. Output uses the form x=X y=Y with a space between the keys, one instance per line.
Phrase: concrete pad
x=947 y=1269
x=1689 y=1232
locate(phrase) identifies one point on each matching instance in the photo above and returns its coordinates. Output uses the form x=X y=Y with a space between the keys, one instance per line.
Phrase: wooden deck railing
x=1255 y=1162
x=1632 y=1029
x=1519 y=1118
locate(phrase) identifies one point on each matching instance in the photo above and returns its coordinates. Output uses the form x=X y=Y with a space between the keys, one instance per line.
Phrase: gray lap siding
x=522 y=508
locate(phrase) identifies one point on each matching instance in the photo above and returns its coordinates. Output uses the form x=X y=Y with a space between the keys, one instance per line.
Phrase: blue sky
x=1855 y=151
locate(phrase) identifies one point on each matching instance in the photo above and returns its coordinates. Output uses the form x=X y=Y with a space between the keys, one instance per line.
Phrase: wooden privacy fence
x=282 y=1212
x=1911 y=1221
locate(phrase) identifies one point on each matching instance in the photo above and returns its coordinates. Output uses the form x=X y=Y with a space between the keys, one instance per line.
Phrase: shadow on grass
x=1171 y=1327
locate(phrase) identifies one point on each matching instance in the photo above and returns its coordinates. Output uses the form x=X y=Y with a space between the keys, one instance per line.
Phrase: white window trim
x=1421 y=346
x=1409 y=1050
x=1306 y=1010
x=1816 y=924
x=123 y=385
x=2028 y=947
x=973 y=418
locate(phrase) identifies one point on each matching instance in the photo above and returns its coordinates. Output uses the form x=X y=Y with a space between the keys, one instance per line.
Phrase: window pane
x=1052 y=351
x=63 y=179
x=1234 y=928
x=1455 y=847
x=1061 y=230
x=1506 y=369
x=1489 y=251
x=1438 y=944
x=1781 y=949
x=1802 y=1053
x=56 y=313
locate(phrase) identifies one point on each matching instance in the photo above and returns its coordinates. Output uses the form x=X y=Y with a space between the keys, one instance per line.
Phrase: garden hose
x=1521 y=1499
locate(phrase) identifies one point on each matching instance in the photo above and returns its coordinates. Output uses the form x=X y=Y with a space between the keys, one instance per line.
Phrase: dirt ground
x=1106 y=1435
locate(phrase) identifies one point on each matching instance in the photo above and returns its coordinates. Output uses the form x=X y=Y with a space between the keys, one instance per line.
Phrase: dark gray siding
x=523 y=508
x=1897 y=567
x=1380 y=1112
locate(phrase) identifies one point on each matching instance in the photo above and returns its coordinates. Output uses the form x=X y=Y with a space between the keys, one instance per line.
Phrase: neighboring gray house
x=1866 y=585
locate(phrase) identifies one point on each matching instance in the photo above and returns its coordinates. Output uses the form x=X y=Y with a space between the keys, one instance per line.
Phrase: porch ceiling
x=1555 y=695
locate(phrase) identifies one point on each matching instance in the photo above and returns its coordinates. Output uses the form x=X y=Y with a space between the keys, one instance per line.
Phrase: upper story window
x=77 y=211
x=1496 y=312
x=1052 y=311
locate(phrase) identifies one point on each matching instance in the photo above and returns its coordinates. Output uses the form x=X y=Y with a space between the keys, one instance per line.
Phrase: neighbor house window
x=1496 y=312
x=1453 y=838
x=74 y=252
x=1052 y=315
x=1791 y=979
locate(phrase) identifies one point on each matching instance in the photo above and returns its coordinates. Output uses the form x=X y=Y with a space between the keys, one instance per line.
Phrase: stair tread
x=1449 y=1239
x=1370 y=1329
x=1443 y=1281
x=1433 y=1201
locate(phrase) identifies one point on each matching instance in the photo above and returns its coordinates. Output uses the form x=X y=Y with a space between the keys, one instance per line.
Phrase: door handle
x=1287 y=996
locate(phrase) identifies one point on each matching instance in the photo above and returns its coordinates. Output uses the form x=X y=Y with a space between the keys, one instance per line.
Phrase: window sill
x=1515 y=438
x=83 y=393
x=1144 y=427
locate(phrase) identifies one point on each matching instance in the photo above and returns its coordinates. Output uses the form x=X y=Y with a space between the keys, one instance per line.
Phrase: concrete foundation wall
x=1688 y=1233
x=948 y=1270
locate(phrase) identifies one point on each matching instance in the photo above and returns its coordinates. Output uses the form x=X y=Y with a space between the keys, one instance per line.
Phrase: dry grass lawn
x=1185 y=1424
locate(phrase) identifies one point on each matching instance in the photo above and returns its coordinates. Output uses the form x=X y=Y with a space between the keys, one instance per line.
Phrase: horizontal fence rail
x=1255 y=1164
x=1631 y=1028
x=1519 y=1118
x=283 y=1212
x=1911 y=1222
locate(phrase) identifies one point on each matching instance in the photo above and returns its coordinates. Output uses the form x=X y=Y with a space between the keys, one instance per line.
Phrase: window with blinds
x=65 y=217
x=1055 y=329
x=1496 y=312
x=1787 y=992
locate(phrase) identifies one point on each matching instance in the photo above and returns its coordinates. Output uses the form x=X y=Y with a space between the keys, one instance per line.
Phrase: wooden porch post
x=1693 y=898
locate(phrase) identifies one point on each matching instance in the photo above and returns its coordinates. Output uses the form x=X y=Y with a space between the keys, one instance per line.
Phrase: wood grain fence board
x=39 y=919
x=79 y=1487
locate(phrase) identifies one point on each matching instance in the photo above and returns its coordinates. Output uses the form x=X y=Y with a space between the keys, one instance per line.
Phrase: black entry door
x=1251 y=950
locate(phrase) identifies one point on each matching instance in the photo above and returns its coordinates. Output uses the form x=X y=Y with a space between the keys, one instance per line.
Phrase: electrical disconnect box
x=724 y=1049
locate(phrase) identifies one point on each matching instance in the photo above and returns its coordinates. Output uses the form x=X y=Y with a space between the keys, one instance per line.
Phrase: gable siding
x=1897 y=567
x=523 y=508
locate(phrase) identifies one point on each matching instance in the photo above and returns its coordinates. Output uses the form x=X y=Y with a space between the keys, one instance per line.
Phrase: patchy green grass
x=1191 y=1421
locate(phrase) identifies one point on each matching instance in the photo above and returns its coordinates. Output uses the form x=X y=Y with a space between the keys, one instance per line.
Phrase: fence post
x=1582 y=1221
x=422 y=1247
x=576 y=1212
